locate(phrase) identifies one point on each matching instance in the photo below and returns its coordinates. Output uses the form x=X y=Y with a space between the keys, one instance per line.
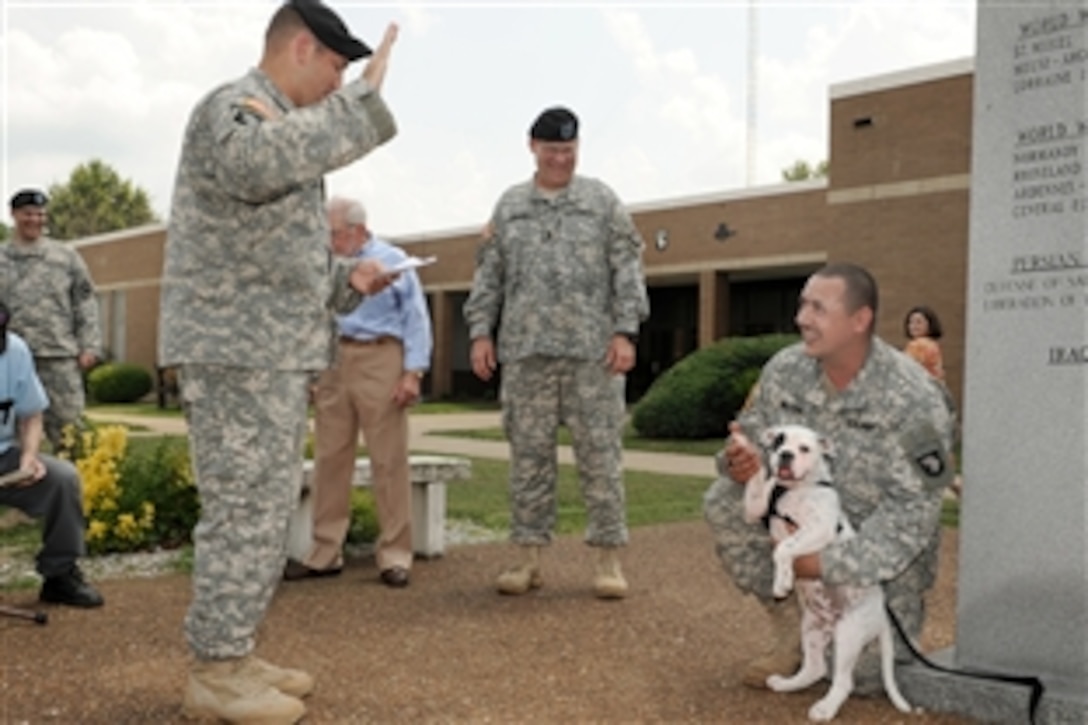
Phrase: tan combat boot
x=228 y=690
x=784 y=656
x=609 y=582
x=522 y=577
x=295 y=683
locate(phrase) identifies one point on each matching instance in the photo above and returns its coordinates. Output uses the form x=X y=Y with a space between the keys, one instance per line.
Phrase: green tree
x=4 y=232
x=94 y=201
x=802 y=171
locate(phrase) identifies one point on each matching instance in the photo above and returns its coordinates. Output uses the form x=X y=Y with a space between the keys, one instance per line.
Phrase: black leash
x=1034 y=683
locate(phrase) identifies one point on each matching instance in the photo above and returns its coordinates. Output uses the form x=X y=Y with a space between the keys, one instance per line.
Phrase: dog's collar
x=772 y=507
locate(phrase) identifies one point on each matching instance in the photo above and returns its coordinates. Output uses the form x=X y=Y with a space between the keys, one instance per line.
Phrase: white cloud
x=692 y=136
x=418 y=20
x=661 y=91
x=850 y=42
x=630 y=34
x=117 y=85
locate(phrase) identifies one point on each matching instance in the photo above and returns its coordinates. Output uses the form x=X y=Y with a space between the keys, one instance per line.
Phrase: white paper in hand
x=410 y=263
x=12 y=478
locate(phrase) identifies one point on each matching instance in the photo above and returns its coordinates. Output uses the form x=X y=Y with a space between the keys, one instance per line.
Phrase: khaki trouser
x=357 y=394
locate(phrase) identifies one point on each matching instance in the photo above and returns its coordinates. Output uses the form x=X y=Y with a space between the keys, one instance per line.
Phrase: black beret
x=555 y=124
x=28 y=197
x=327 y=27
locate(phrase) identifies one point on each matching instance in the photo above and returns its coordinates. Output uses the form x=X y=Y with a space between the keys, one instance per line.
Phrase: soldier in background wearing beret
x=559 y=275
x=248 y=284
x=49 y=291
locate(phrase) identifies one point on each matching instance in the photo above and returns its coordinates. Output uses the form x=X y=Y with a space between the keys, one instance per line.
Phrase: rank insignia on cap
x=28 y=197
x=932 y=463
x=555 y=124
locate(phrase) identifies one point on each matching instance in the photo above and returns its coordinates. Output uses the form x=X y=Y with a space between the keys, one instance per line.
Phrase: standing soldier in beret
x=248 y=284
x=49 y=291
x=560 y=276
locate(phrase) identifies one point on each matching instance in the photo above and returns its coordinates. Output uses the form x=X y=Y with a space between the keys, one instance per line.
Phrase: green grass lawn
x=145 y=409
x=429 y=407
x=151 y=409
x=631 y=441
x=652 y=498
x=22 y=540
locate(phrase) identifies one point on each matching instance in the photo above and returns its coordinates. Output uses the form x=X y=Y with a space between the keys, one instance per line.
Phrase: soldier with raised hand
x=248 y=284
x=51 y=296
x=892 y=434
x=560 y=277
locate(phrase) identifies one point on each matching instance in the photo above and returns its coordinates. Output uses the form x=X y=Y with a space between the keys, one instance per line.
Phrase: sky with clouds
x=661 y=88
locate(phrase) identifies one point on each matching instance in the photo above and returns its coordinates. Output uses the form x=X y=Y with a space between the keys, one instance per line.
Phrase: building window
x=111 y=317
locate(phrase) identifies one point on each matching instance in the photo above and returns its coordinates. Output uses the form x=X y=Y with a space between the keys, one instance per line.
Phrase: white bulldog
x=802 y=511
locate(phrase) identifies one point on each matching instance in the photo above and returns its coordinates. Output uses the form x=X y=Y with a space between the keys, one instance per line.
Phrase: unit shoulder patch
x=253 y=107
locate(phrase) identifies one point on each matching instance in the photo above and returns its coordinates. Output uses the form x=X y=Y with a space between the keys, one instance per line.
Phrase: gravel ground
x=447 y=648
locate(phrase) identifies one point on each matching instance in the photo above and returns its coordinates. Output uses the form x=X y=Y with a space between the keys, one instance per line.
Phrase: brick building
x=717 y=265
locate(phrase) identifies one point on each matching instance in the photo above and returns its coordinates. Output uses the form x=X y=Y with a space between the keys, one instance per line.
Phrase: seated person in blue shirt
x=50 y=489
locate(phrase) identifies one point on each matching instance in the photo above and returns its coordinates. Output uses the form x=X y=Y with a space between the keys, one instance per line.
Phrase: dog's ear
x=828 y=449
x=770 y=438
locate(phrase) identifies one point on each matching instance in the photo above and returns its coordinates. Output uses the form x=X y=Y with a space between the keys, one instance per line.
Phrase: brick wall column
x=713 y=306
x=442 y=362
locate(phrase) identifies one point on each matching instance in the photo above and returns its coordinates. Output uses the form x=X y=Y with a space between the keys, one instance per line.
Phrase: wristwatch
x=418 y=373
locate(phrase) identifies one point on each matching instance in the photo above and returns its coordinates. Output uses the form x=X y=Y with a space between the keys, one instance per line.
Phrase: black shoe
x=70 y=589
x=296 y=570
x=396 y=577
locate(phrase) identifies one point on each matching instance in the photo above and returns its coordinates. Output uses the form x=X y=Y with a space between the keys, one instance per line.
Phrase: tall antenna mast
x=752 y=95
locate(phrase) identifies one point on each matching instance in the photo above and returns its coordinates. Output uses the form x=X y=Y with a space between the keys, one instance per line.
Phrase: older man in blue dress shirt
x=383 y=352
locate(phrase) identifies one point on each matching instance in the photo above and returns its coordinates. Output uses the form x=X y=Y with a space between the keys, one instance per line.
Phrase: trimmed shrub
x=160 y=474
x=118 y=383
x=698 y=396
x=364 y=518
x=134 y=500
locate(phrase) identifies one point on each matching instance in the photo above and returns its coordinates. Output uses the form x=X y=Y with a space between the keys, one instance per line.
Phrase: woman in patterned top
x=923 y=329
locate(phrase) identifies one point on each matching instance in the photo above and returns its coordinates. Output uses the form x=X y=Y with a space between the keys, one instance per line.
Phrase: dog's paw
x=777 y=683
x=823 y=711
x=783 y=583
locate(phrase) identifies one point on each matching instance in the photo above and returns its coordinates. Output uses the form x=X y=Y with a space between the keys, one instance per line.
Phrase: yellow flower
x=96 y=531
x=126 y=527
x=67 y=441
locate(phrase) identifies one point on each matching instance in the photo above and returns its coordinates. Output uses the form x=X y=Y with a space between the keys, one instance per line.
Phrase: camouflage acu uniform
x=891 y=432
x=565 y=273
x=51 y=296
x=247 y=286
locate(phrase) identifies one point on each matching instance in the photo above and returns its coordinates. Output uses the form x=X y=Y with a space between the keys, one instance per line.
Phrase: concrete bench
x=429 y=475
